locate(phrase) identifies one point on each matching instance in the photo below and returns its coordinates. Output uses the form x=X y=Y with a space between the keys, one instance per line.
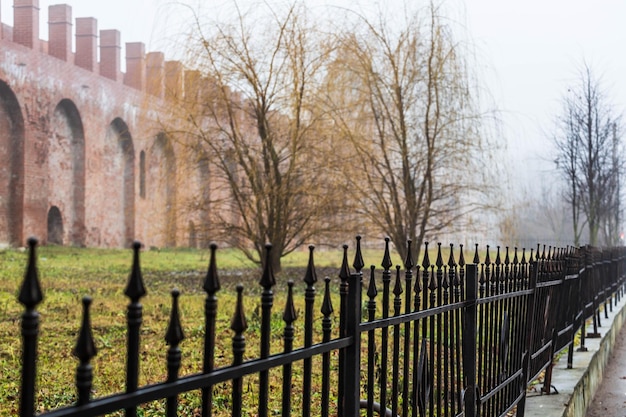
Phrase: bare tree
x=404 y=101
x=257 y=121
x=588 y=143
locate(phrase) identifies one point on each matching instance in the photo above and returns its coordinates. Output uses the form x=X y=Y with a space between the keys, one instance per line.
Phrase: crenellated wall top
x=147 y=72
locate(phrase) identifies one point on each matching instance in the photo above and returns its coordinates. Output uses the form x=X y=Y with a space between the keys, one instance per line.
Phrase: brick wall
x=72 y=130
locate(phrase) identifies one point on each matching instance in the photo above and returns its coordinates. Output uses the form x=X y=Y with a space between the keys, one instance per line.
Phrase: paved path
x=610 y=399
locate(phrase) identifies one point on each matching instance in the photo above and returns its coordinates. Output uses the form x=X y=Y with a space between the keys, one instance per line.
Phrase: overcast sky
x=528 y=51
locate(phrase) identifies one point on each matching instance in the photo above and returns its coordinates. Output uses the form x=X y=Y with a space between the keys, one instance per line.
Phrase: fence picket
x=135 y=290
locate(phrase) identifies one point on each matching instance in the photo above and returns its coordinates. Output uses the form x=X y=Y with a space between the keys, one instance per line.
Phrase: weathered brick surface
x=71 y=138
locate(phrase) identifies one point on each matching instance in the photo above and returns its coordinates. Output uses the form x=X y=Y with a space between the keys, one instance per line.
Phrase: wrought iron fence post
x=310 y=279
x=30 y=295
x=469 y=341
x=173 y=337
x=134 y=290
x=344 y=275
x=352 y=369
x=211 y=286
x=267 y=300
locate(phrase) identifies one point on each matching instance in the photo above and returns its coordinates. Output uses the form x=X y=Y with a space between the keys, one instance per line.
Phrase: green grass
x=67 y=274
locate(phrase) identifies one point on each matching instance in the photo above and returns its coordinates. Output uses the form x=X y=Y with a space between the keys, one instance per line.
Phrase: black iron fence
x=444 y=338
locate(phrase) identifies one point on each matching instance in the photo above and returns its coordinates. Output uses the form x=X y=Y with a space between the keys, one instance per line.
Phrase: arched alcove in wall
x=55 y=226
x=118 y=193
x=66 y=170
x=11 y=167
x=192 y=234
x=203 y=208
x=162 y=187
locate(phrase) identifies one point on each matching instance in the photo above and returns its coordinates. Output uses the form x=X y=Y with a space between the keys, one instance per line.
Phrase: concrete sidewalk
x=578 y=385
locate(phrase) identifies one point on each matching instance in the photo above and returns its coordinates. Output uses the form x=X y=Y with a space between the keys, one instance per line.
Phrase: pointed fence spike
x=386 y=263
x=432 y=285
x=461 y=256
x=451 y=262
x=417 y=287
x=344 y=272
x=310 y=278
x=408 y=262
x=30 y=293
x=426 y=260
x=174 y=334
x=523 y=261
x=515 y=259
x=211 y=281
x=397 y=288
x=476 y=260
x=550 y=254
x=85 y=348
x=327 y=305
x=289 y=315
x=238 y=324
x=439 y=261
x=372 y=292
x=135 y=288
x=487 y=258
x=267 y=279
x=498 y=261
x=358 y=263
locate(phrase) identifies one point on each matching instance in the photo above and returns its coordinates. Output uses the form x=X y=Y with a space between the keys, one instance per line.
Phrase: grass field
x=67 y=274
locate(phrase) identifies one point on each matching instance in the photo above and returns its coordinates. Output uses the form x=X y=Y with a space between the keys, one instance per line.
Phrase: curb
x=578 y=385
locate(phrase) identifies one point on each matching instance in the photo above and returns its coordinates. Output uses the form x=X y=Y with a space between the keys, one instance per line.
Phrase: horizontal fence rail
x=444 y=337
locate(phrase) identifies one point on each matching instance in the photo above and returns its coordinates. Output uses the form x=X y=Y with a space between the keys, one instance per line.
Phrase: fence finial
x=135 y=288
x=386 y=263
x=84 y=350
x=267 y=279
x=372 y=292
x=397 y=288
x=408 y=261
x=358 y=263
x=238 y=324
x=344 y=272
x=476 y=259
x=327 y=305
x=451 y=261
x=289 y=315
x=426 y=260
x=30 y=293
x=461 y=256
x=211 y=281
x=439 y=261
x=174 y=334
x=310 y=278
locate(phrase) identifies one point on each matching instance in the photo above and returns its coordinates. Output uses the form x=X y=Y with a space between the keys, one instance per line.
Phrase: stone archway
x=193 y=237
x=55 y=226
x=11 y=168
x=162 y=188
x=66 y=170
x=118 y=199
